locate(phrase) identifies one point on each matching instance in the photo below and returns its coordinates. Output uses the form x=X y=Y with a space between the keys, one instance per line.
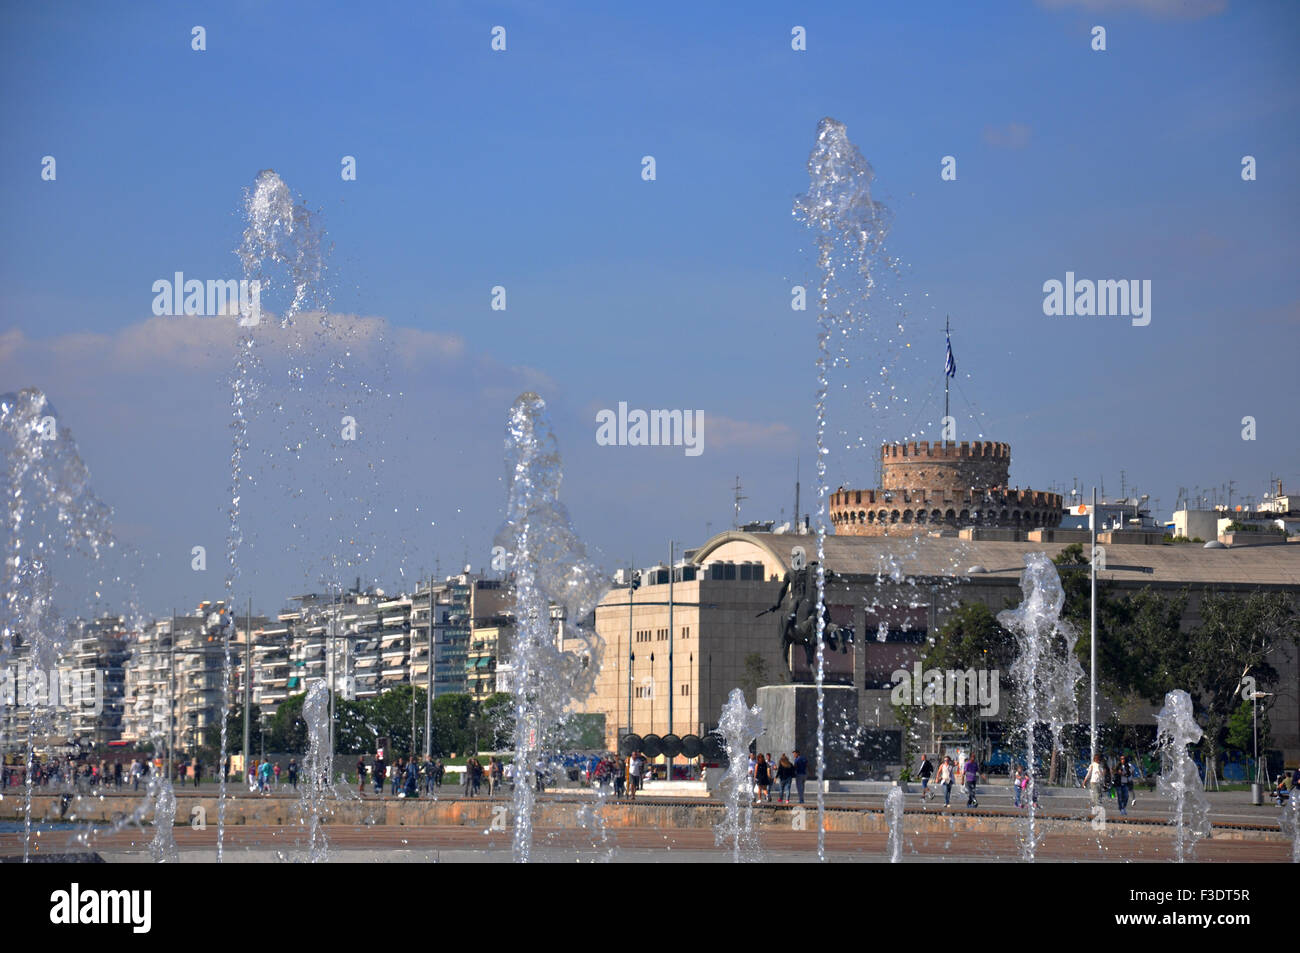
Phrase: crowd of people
x=1101 y=778
x=950 y=771
x=765 y=774
x=58 y=773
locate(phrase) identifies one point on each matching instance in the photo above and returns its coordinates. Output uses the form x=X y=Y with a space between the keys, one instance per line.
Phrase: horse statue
x=797 y=605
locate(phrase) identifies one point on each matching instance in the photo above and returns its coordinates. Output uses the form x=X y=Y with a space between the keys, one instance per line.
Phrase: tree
x=1146 y=653
x=235 y=731
x=1134 y=632
x=972 y=639
x=452 y=728
x=287 y=730
x=389 y=716
x=1240 y=735
x=1238 y=637
x=352 y=734
x=497 y=715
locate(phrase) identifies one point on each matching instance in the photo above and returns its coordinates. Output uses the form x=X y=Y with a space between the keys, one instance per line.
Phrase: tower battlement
x=942 y=485
x=948 y=450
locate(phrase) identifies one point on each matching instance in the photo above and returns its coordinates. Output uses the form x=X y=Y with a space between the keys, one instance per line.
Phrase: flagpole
x=947 y=331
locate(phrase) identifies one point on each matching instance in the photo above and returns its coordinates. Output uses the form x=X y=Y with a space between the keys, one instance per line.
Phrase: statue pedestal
x=790 y=720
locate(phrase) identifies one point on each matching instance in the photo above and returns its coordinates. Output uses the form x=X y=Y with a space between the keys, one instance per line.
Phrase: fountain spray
x=550 y=568
x=849 y=228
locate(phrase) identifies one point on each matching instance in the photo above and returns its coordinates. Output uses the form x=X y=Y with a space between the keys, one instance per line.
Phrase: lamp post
x=1092 y=637
x=634 y=581
x=248 y=678
x=428 y=682
x=1261 y=776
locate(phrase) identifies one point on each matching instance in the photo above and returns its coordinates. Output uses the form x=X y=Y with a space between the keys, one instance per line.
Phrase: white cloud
x=725 y=432
x=1013 y=135
x=1154 y=9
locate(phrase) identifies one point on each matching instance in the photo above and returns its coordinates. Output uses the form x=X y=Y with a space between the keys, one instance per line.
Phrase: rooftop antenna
x=739 y=497
x=1123 y=485
x=796 y=496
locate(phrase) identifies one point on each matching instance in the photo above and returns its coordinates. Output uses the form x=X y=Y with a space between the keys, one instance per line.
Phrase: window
x=686 y=632
x=686 y=689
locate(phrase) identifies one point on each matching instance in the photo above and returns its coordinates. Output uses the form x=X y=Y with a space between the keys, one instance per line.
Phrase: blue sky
x=522 y=168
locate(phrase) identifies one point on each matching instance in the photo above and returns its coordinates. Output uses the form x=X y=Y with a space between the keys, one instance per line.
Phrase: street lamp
x=1261 y=776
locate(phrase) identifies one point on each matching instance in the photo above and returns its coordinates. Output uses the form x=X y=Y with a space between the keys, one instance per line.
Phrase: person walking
x=361 y=776
x=265 y=774
x=293 y=772
x=945 y=779
x=800 y=773
x=972 y=775
x=1094 y=780
x=277 y=774
x=377 y=773
x=411 y=788
x=198 y=771
x=1017 y=785
x=784 y=775
x=1123 y=783
x=620 y=777
x=634 y=775
x=927 y=769
x=762 y=780
x=1029 y=790
x=117 y=775
x=492 y=776
x=439 y=770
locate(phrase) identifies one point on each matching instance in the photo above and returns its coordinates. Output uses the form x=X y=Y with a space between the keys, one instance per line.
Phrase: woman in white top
x=1093 y=780
x=944 y=779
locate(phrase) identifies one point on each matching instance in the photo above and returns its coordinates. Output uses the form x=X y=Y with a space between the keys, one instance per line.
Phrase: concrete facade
x=893 y=592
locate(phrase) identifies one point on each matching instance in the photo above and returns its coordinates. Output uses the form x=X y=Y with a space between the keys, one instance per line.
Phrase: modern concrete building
x=1197 y=524
x=176 y=673
x=97 y=661
x=659 y=677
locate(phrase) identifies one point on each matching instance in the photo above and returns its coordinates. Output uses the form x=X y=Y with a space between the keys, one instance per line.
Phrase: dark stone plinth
x=790 y=720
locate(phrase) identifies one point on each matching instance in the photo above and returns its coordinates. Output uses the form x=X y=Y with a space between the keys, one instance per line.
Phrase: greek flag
x=949 y=365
